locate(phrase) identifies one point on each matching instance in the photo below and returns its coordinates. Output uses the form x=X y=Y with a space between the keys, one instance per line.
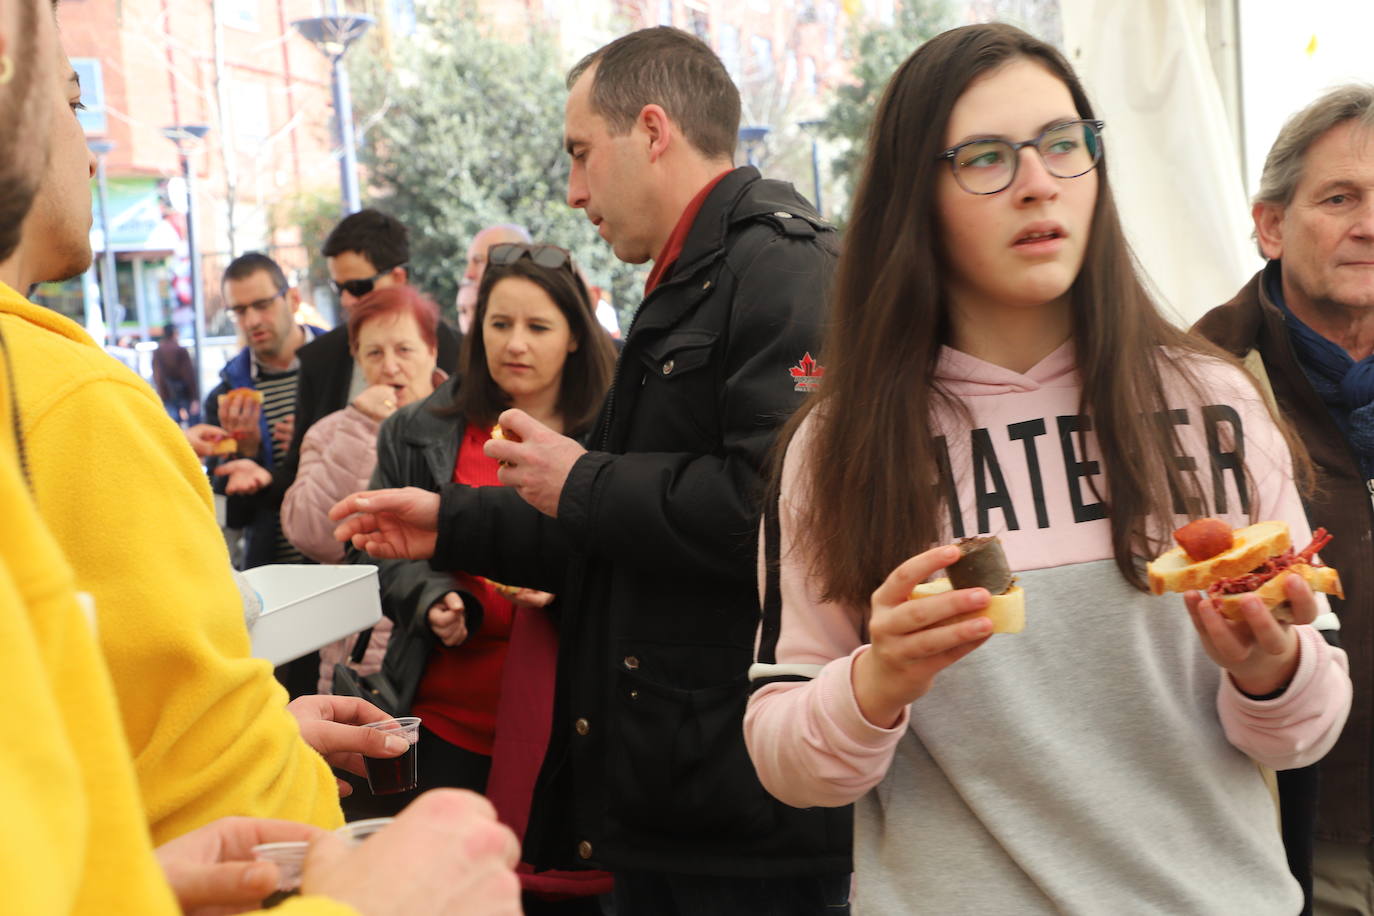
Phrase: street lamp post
x=752 y=136
x=333 y=35
x=185 y=136
x=109 y=286
x=812 y=128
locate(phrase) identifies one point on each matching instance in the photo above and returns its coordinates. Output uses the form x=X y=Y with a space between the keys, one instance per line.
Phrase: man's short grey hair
x=666 y=67
x=514 y=229
x=1283 y=166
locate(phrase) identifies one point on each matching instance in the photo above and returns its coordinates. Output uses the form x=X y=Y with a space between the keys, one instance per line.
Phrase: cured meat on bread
x=1176 y=571
x=1259 y=561
x=983 y=564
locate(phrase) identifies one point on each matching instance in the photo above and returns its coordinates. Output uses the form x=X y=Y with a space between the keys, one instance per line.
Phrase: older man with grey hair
x=1305 y=325
x=499 y=234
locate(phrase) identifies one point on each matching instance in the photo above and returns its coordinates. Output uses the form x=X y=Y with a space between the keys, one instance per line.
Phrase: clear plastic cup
x=290 y=860
x=357 y=831
x=389 y=775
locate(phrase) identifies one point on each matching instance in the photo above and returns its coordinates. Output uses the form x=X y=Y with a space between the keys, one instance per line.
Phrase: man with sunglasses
x=263 y=307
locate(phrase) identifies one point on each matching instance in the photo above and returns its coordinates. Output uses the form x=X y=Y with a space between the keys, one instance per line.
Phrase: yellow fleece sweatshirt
x=129 y=506
x=77 y=841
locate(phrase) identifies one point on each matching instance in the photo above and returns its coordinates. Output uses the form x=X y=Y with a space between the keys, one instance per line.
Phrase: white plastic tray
x=305 y=607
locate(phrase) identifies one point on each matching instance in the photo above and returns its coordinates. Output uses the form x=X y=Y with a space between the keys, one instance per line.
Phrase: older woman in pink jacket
x=392 y=334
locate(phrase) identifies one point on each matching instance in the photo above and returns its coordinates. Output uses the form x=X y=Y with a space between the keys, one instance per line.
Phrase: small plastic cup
x=290 y=859
x=354 y=832
x=389 y=775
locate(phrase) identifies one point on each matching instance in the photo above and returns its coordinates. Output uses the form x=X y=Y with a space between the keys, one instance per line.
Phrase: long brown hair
x=587 y=371
x=869 y=496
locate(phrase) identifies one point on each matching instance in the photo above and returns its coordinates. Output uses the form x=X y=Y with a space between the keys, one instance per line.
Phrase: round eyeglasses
x=989 y=165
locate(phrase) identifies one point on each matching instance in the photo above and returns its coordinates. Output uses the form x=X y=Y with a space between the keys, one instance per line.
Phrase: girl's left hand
x=1259 y=652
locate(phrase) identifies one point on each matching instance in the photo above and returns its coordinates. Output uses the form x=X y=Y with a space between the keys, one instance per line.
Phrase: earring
x=6 y=69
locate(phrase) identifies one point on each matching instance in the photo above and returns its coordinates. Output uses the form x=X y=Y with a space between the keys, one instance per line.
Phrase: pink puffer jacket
x=338 y=455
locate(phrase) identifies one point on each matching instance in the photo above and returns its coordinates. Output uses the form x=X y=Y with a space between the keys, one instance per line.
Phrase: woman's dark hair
x=587 y=372
x=870 y=501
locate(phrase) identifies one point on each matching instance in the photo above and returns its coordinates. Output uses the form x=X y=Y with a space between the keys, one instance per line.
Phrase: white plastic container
x=305 y=607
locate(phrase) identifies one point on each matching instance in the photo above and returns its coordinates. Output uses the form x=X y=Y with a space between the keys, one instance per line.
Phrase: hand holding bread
x=240 y=412
x=1244 y=589
x=915 y=637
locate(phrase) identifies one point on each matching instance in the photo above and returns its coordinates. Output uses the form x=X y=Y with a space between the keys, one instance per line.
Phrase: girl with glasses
x=995 y=366
x=474 y=659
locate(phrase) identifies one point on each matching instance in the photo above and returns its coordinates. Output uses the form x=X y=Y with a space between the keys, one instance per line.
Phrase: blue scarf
x=1345 y=386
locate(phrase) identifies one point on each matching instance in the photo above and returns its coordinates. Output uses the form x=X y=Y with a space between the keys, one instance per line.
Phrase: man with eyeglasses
x=263 y=307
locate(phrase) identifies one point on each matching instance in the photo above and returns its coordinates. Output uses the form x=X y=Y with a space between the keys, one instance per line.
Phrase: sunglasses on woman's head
x=359 y=288
x=549 y=256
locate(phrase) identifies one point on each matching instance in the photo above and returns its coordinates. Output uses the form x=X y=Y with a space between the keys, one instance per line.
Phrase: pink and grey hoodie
x=1097 y=762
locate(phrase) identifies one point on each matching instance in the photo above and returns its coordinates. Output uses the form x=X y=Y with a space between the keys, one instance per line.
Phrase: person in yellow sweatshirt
x=78 y=841
x=127 y=502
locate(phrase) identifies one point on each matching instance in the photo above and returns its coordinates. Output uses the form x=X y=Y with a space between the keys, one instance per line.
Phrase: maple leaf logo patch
x=808 y=374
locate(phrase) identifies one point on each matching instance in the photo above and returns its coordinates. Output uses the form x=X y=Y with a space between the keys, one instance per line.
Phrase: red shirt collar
x=672 y=248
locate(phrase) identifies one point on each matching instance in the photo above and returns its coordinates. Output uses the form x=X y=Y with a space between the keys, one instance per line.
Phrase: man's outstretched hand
x=389 y=524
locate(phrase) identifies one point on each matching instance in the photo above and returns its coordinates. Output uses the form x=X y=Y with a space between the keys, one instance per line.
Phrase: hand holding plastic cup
x=290 y=857
x=290 y=860
x=387 y=776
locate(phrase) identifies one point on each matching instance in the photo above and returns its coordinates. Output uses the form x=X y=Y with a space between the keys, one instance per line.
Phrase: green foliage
x=465 y=130
x=877 y=53
x=313 y=214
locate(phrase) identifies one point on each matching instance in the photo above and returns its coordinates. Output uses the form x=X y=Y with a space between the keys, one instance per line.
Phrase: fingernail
x=397 y=745
x=978 y=597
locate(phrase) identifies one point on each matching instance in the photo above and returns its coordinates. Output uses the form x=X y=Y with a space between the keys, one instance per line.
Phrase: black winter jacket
x=653 y=558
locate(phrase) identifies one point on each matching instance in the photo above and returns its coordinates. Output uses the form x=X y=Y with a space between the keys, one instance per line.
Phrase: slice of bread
x=246 y=394
x=1274 y=592
x=1175 y=572
x=1006 y=611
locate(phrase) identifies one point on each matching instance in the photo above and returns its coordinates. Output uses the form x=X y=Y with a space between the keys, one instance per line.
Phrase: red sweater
x=458 y=694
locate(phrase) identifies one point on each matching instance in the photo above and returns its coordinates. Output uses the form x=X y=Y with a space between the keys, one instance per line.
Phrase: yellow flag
x=1312 y=45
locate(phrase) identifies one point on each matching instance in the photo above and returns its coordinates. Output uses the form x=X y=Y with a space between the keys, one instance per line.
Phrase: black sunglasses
x=359 y=288
x=549 y=256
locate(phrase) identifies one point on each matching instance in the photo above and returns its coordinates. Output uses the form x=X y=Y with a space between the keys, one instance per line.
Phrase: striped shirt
x=279 y=402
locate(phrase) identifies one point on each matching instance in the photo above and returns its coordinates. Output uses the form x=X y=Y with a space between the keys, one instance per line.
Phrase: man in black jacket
x=649 y=537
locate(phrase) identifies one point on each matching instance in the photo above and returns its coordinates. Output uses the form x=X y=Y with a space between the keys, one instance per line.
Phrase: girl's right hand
x=911 y=641
x=448 y=619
